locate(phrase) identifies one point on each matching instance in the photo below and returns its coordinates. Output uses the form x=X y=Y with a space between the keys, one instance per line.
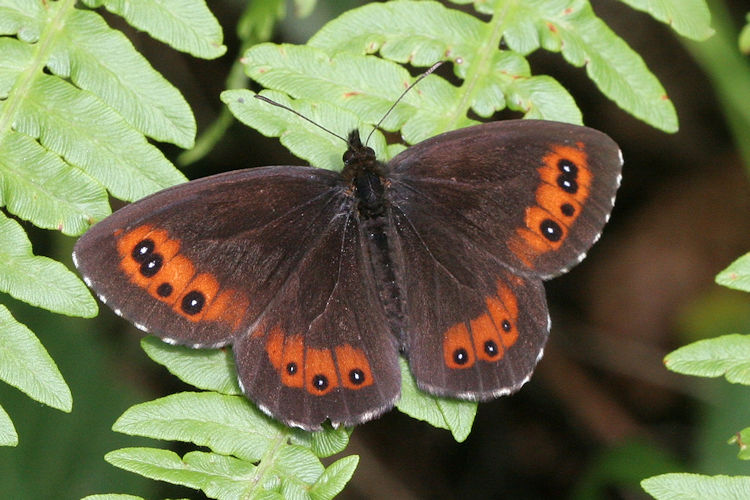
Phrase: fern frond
x=251 y=454
x=77 y=103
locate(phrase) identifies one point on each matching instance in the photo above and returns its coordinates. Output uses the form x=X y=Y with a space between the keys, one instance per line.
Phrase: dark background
x=601 y=411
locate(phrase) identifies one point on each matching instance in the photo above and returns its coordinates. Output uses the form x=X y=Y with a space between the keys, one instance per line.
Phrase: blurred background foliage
x=601 y=412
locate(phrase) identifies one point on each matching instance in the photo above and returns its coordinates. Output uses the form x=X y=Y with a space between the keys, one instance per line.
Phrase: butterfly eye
x=567 y=167
x=460 y=356
x=348 y=154
x=551 y=230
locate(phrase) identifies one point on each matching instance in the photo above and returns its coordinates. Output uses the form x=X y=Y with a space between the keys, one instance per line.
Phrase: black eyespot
x=460 y=356
x=152 y=265
x=506 y=325
x=320 y=382
x=164 y=290
x=567 y=209
x=356 y=376
x=567 y=183
x=291 y=368
x=490 y=348
x=142 y=250
x=193 y=302
x=567 y=167
x=551 y=230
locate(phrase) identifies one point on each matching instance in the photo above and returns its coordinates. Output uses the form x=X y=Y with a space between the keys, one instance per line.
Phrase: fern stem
x=482 y=65
x=267 y=462
x=42 y=49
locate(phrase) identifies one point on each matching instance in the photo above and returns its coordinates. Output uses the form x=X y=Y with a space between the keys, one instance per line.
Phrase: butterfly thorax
x=365 y=174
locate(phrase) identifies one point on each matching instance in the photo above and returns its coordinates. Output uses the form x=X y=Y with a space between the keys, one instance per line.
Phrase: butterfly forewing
x=534 y=193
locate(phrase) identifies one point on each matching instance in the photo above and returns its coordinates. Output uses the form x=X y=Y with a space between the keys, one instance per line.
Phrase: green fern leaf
x=185 y=25
x=226 y=424
x=103 y=61
x=25 y=364
x=683 y=486
x=423 y=32
x=365 y=86
x=737 y=275
x=452 y=414
x=335 y=477
x=728 y=355
x=218 y=476
x=229 y=425
x=303 y=139
x=40 y=281
x=286 y=469
x=585 y=40
x=38 y=186
x=211 y=370
x=324 y=443
x=689 y=18
x=8 y=434
x=16 y=56
x=74 y=124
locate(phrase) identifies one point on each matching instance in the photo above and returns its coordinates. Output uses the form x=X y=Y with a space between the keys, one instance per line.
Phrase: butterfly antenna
x=419 y=79
x=279 y=105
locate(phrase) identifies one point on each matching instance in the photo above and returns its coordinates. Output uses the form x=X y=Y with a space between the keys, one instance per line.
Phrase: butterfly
x=320 y=280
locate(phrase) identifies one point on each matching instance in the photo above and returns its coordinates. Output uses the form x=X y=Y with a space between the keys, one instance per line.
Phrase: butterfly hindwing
x=348 y=370
x=264 y=259
x=472 y=329
x=477 y=229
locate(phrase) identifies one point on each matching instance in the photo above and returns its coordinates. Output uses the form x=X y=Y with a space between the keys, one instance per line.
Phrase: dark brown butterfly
x=319 y=279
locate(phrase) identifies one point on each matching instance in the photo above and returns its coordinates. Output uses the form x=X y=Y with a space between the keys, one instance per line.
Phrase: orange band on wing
x=458 y=351
x=490 y=334
x=320 y=371
x=564 y=188
x=151 y=260
x=353 y=366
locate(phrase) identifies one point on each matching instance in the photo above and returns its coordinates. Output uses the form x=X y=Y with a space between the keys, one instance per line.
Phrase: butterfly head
x=358 y=158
